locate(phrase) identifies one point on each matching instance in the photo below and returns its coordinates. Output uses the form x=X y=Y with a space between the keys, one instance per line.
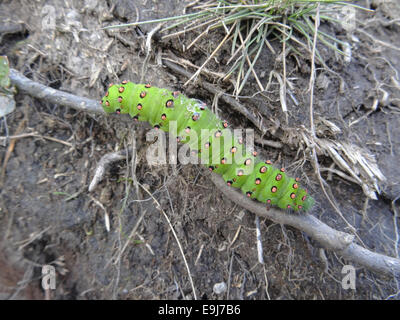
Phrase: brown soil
x=47 y=215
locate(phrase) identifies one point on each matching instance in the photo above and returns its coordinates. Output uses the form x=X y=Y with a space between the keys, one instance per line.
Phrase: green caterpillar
x=239 y=168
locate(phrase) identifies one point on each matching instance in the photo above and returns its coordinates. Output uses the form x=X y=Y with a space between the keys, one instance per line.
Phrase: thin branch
x=328 y=237
x=101 y=167
x=41 y=91
x=36 y=135
x=148 y=51
x=312 y=128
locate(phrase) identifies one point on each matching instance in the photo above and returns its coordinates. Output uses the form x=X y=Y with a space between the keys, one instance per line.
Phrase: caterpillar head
x=116 y=98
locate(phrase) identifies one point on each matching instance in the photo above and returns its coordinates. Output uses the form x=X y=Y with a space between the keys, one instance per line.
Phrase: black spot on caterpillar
x=256 y=178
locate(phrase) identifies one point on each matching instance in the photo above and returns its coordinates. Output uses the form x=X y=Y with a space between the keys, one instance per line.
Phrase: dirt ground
x=47 y=216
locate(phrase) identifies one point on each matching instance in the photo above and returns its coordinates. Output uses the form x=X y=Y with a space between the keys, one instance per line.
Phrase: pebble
x=219 y=288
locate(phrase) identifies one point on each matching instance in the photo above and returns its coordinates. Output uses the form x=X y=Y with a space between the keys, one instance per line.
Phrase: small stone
x=220 y=288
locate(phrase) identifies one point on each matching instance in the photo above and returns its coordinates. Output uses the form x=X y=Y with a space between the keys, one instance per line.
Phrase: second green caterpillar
x=239 y=167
